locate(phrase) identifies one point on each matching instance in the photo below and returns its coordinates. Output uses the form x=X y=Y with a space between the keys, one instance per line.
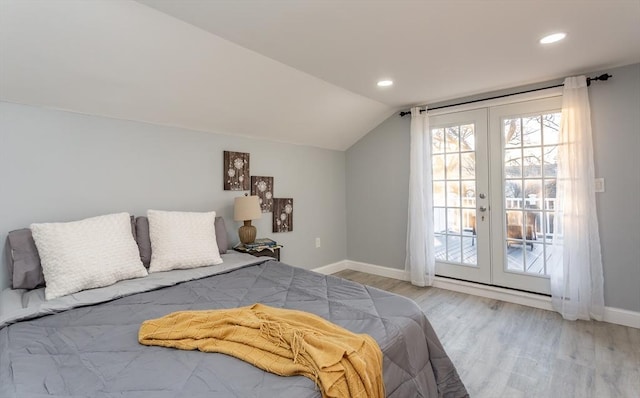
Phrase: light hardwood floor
x=508 y=350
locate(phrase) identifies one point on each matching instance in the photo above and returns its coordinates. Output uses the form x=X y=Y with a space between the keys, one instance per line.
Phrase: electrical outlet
x=599 y=184
x=318 y=243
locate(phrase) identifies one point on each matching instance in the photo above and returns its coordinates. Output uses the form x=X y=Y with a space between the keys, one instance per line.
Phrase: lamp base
x=247 y=233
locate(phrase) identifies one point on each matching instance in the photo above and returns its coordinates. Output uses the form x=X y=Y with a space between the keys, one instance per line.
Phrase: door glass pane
x=534 y=224
x=532 y=135
x=469 y=250
x=440 y=246
x=551 y=128
x=549 y=195
x=439 y=220
x=468 y=166
x=469 y=194
x=438 y=193
x=438 y=167
x=550 y=156
x=514 y=256
x=515 y=228
x=512 y=133
x=534 y=258
x=452 y=138
x=467 y=138
x=532 y=193
x=453 y=221
x=454 y=193
x=513 y=163
x=454 y=253
x=532 y=162
x=469 y=220
x=513 y=194
x=469 y=235
x=453 y=166
x=437 y=140
x=530 y=169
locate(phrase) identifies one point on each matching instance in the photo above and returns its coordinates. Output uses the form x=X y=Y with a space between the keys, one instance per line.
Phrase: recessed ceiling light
x=385 y=83
x=553 y=38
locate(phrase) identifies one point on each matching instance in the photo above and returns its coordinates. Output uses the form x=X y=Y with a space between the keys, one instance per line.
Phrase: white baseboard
x=332 y=268
x=622 y=317
x=387 y=272
x=612 y=315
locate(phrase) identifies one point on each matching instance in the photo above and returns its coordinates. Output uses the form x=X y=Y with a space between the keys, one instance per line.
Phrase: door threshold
x=510 y=295
x=490 y=285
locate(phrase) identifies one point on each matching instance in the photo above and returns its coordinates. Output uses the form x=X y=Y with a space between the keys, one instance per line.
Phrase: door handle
x=482 y=208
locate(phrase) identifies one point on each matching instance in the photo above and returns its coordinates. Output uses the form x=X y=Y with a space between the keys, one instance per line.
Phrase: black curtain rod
x=603 y=77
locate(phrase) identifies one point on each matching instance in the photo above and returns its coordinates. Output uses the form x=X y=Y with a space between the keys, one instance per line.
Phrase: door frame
x=496 y=252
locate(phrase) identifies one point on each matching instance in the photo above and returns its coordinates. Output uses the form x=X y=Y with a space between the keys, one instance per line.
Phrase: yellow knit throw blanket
x=281 y=341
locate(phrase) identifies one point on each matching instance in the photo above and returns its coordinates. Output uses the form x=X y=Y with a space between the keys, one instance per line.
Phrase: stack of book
x=259 y=244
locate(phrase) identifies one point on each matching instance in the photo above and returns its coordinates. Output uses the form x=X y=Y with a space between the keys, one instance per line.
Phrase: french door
x=460 y=195
x=494 y=176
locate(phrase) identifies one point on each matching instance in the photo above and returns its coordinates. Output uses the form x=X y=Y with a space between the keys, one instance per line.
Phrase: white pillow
x=90 y=253
x=181 y=240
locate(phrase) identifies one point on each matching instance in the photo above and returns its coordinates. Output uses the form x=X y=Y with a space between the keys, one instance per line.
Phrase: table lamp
x=247 y=208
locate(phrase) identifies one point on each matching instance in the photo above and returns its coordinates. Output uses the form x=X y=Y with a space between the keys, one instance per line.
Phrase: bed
x=85 y=344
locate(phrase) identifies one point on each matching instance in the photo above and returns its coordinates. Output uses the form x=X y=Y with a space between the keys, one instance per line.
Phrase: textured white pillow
x=90 y=253
x=181 y=240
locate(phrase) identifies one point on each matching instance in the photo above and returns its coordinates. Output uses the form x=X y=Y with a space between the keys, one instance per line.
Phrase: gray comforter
x=92 y=350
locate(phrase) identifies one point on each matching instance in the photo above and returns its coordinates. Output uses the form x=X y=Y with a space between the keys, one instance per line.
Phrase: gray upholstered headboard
x=23 y=260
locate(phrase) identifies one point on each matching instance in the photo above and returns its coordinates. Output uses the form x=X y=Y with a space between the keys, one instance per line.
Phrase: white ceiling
x=300 y=71
x=433 y=49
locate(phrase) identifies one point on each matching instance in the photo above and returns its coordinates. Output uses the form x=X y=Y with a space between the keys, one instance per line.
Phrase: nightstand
x=275 y=253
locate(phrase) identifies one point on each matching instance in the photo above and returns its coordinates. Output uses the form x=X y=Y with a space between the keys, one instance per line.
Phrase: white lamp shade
x=246 y=208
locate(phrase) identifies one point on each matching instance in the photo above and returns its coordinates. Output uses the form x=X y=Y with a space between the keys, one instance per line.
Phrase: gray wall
x=378 y=178
x=62 y=166
x=377 y=194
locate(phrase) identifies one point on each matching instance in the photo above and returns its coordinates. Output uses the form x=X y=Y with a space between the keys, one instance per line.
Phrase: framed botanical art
x=262 y=187
x=236 y=171
x=282 y=214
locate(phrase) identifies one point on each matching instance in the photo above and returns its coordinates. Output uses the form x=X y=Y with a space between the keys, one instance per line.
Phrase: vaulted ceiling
x=299 y=71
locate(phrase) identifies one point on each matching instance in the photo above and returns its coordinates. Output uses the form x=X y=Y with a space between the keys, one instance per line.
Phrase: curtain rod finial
x=604 y=77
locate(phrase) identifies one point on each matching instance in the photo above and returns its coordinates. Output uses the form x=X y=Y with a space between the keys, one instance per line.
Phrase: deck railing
x=533 y=204
x=530 y=203
x=513 y=204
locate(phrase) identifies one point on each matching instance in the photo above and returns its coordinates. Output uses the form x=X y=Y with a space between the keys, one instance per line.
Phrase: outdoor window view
x=530 y=171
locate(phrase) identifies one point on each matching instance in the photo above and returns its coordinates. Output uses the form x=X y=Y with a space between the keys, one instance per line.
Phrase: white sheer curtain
x=420 y=260
x=576 y=275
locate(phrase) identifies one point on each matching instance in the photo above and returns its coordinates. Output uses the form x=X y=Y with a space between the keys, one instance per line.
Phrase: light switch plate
x=599 y=184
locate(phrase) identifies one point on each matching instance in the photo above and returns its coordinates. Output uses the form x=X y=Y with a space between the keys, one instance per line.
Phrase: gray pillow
x=25 y=270
x=221 y=235
x=144 y=240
